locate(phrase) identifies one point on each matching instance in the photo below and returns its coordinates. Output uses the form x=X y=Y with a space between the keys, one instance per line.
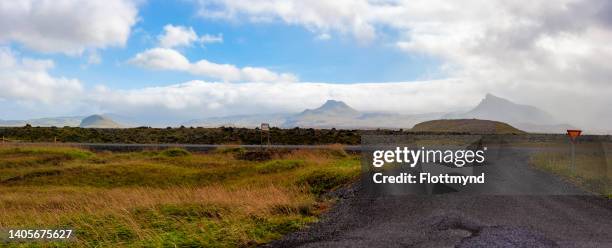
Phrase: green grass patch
x=65 y=151
x=276 y=166
x=230 y=150
x=19 y=157
x=168 y=198
x=175 y=152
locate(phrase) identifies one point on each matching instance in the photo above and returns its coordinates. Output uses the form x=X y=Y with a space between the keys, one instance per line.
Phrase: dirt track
x=539 y=211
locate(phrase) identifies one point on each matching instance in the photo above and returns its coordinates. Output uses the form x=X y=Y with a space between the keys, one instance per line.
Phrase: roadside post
x=573 y=135
x=265 y=127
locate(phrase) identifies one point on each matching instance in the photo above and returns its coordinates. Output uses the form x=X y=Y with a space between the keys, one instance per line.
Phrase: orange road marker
x=573 y=134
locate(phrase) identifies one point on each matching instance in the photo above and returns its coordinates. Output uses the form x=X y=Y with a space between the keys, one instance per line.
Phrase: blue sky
x=189 y=59
x=276 y=46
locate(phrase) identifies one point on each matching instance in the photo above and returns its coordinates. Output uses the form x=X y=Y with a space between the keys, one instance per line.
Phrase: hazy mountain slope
x=250 y=121
x=98 y=121
x=474 y=126
x=338 y=114
x=499 y=109
x=71 y=121
x=126 y=121
x=552 y=128
x=11 y=123
x=525 y=117
x=331 y=108
x=331 y=114
x=335 y=114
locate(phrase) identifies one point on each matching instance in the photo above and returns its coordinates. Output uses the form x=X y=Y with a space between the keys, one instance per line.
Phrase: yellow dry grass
x=161 y=198
x=32 y=206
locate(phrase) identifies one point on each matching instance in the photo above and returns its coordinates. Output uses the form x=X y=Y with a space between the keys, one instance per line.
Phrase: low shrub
x=322 y=181
x=230 y=150
x=191 y=211
x=175 y=152
x=255 y=155
x=276 y=166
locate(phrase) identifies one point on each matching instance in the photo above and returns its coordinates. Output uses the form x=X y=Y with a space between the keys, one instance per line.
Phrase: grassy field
x=593 y=171
x=171 y=198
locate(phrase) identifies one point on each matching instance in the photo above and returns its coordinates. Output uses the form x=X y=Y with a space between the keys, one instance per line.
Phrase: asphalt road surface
x=523 y=207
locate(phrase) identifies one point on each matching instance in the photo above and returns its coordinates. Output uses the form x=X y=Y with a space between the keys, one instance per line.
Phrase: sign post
x=265 y=127
x=573 y=135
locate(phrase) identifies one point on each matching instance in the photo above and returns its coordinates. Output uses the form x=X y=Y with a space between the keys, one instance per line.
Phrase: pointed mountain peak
x=334 y=104
x=490 y=96
x=500 y=109
x=493 y=98
x=333 y=107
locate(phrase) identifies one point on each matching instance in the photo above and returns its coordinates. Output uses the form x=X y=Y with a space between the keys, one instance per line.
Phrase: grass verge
x=591 y=171
x=169 y=198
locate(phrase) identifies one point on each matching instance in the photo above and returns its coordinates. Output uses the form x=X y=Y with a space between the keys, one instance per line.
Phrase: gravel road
x=536 y=209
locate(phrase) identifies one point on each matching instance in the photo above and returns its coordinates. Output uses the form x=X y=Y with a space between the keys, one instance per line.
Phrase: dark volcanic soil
x=363 y=218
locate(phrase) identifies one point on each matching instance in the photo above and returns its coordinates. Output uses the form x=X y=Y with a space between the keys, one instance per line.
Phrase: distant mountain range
x=71 y=121
x=93 y=121
x=524 y=117
x=332 y=114
x=337 y=114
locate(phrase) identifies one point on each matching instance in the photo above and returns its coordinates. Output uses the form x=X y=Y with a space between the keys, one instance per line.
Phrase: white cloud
x=178 y=36
x=554 y=56
x=169 y=59
x=67 y=26
x=161 y=59
x=549 y=55
x=209 y=38
x=323 y=36
x=94 y=58
x=28 y=81
x=198 y=98
x=320 y=16
x=538 y=53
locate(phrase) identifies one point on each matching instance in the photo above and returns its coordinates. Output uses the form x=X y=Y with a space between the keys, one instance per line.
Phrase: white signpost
x=265 y=127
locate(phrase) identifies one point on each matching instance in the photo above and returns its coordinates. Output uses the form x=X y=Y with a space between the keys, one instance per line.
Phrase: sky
x=173 y=61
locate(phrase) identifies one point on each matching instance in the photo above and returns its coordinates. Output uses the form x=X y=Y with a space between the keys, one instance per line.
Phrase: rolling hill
x=473 y=126
x=98 y=121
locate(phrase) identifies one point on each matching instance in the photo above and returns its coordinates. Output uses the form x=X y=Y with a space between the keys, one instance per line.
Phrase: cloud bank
x=551 y=55
x=67 y=26
x=28 y=80
x=170 y=59
x=177 y=36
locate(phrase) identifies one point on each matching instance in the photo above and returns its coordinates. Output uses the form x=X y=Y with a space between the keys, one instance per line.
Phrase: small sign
x=265 y=127
x=573 y=134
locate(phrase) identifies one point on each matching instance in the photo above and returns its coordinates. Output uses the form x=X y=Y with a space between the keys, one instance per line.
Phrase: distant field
x=171 y=198
x=181 y=135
